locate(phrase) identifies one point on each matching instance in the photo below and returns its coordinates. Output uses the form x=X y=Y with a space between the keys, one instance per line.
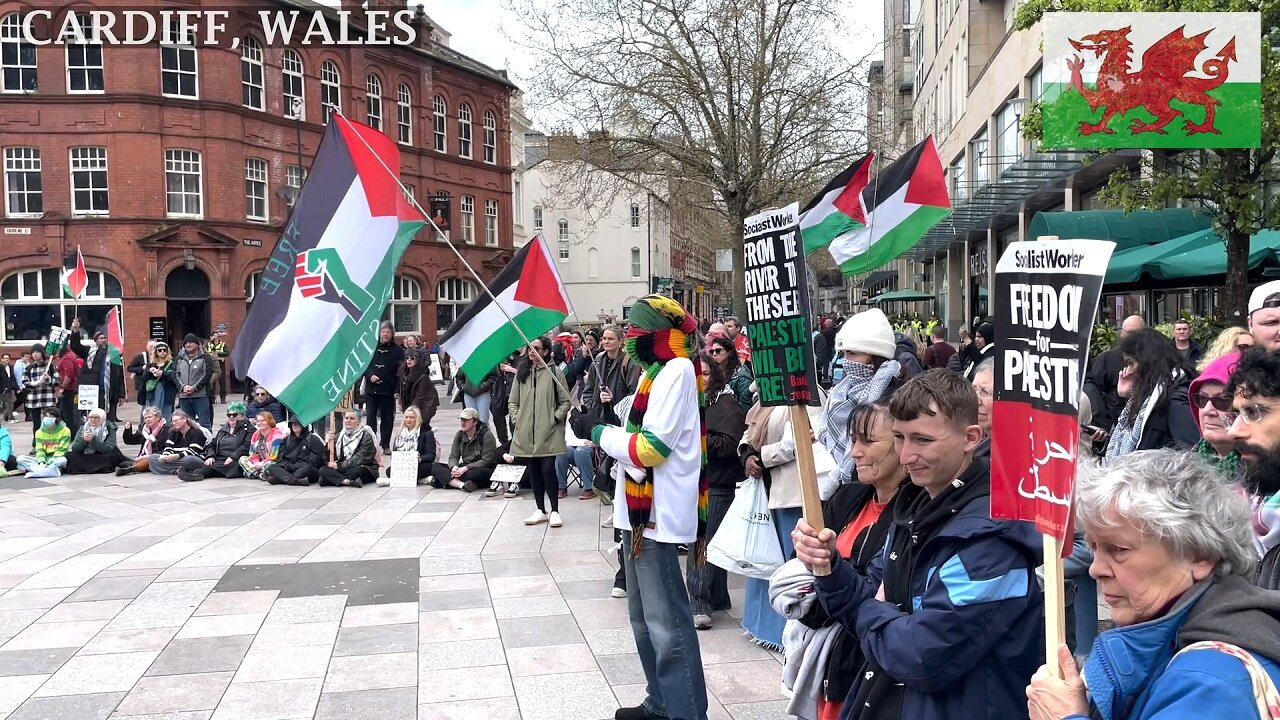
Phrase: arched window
x=490 y=137
x=251 y=83
x=563 y=226
x=439 y=121
x=330 y=88
x=17 y=57
x=453 y=295
x=251 y=285
x=405 y=309
x=537 y=218
x=593 y=262
x=33 y=302
x=464 y=130
x=404 y=114
x=635 y=262
x=373 y=108
x=291 y=74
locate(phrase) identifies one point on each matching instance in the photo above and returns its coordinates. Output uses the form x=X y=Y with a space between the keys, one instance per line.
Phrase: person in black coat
x=1157 y=412
x=416 y=388
x=381 y=383
x=8 y=388
x=302 y=455
x=138 y=369
x=99 y=371
x=222 y=455
x=416 y=436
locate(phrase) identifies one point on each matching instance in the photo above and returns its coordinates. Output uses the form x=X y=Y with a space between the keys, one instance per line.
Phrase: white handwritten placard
x=404 y=469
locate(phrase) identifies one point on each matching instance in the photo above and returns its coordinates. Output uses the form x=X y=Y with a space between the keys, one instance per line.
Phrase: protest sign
x=1046 y=298
x=404 y=469
x=777 y=300
x=88 y=397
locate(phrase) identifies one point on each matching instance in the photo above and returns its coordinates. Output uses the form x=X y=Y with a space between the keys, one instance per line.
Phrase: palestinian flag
x=837 y=209
x=313 y=325
x=1152 y=80
x=530 y=291
x=75 y=279
x=115 y=336
x=900 y=205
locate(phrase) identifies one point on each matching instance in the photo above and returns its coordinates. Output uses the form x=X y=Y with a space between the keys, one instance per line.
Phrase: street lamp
x=1019 y=105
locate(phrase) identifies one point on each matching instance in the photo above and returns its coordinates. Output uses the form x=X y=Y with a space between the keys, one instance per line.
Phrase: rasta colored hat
x=660 y=330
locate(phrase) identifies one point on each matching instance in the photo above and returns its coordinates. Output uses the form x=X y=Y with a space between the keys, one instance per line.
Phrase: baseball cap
x=1261 y=293
x=469 y=414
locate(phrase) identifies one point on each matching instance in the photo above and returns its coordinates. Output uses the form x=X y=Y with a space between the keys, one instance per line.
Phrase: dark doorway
x=187 y=291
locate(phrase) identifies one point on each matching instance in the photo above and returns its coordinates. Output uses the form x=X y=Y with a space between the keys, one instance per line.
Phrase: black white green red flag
x=530 y=291
x=314 y=321
x=865 y=222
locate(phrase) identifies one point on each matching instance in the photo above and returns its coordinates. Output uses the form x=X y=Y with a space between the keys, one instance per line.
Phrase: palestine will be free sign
x=777 y=299
x=1046 y=298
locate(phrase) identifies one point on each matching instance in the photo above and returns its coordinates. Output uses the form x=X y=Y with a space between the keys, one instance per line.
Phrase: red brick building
x=170 y=168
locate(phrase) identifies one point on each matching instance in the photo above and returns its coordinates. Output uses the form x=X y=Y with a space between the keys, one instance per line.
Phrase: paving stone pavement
x=146 y=598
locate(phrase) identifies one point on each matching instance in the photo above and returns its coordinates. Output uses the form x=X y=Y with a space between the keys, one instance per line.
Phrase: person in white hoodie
x=664 y=505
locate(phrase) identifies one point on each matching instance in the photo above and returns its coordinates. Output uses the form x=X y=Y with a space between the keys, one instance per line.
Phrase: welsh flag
x=115 y=336
x=75 y=279
x=313 y=325
x=866 y=222
x=530 y=291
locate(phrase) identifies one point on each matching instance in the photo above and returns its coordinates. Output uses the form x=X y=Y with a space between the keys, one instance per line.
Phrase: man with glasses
x=1264 y=315
x=1254 y=424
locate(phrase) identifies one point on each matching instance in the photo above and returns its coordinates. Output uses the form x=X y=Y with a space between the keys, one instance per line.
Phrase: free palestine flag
x=1152 y=80
x=530 y=291
x=115 y=336
x=900 y=205
x=313 y=325
x=75 y=279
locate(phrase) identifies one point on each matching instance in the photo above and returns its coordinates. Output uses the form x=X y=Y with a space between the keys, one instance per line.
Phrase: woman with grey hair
x=94 y=448
x=1173 y=557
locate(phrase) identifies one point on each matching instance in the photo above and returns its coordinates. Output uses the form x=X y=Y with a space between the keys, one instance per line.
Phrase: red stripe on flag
x=849 y=201
x=539 y=284
x=376 y=159
x=928 y=184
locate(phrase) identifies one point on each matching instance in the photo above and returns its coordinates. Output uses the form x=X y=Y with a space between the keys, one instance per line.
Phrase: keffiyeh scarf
x=1127 y=433
x=407 y=440
x=861 y=384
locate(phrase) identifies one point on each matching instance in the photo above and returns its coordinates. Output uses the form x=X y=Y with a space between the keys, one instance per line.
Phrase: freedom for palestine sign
x=777 y=303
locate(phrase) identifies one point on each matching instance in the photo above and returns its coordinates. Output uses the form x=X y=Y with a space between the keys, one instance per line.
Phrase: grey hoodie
x=1234 y=610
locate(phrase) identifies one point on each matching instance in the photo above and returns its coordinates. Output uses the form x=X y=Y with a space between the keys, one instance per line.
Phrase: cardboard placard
x=88 y=398
x=404 y=468
x=507 y=474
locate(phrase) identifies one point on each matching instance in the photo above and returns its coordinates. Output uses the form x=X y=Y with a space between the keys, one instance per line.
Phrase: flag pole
x=559 y=377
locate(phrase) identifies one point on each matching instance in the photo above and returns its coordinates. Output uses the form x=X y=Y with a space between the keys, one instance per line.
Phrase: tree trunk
x=1233 y=305
x=737 y=216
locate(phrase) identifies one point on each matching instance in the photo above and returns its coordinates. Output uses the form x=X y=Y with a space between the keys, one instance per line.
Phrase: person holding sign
x=1173 y=557
x=949 y=613
x=415 y=436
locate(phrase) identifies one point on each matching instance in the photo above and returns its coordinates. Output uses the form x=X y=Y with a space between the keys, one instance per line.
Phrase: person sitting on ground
x=1173 y=556
x=416 y=388
x=184 y=438
x=414 y=436
x=264 y=446
x=264 y=401
x=53 y=441
x=94 y=449
x=149 y=438
x=222 y=457
x=6 y=451
x=472 y=458
x=301 y=456
x=354 y=460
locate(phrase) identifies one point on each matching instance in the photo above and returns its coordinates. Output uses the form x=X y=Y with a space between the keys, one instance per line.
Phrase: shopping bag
x=747 y=542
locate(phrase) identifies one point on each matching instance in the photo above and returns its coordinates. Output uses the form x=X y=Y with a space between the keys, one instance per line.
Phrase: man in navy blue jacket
x=949 y=615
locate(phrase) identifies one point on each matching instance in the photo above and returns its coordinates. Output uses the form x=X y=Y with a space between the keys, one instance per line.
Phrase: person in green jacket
x=53 y=441
x=94 y=449
x=538 y=408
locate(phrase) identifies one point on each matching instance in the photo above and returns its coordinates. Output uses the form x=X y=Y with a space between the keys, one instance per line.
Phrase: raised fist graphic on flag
x=320 y=273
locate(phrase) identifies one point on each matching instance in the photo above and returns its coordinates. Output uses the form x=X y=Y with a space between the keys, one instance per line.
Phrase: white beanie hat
x=867 y=332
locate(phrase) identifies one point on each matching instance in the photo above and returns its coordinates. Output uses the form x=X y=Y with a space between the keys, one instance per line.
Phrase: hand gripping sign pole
x=777 y=300
x=1046 y=296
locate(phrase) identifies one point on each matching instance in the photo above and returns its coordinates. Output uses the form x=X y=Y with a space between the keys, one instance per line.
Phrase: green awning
x=1128 y=266
x=1126 y=230
x=1211 y=259
x=901 y=295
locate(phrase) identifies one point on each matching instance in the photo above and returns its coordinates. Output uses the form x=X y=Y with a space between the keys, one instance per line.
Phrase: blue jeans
x=582 y=457
x=481 y=405
x=664 y=634
x=199 y=408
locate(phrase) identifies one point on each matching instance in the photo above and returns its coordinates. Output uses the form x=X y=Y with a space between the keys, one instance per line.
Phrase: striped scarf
x=653 y=350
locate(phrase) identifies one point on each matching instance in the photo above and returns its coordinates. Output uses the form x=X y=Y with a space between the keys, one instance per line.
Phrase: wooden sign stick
x=810 y=498
x=1055 y=613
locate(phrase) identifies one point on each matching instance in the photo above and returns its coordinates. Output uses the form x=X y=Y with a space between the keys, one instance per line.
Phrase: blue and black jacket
x=960 y=633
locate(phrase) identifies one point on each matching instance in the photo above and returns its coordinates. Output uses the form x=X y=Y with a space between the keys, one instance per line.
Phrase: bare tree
x=752 y=99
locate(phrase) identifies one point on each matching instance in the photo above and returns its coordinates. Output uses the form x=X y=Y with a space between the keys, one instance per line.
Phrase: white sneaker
x=555 y=519
x=538 y=517
x=618 y=592
x=494 y=488
x=607 y=522
x=384 y=481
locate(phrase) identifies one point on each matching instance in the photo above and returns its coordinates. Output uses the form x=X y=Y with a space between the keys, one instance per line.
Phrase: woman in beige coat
x=538 y=408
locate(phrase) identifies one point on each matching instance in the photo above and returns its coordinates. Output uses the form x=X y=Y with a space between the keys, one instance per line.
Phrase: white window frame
x=251 y=285
x=293 y=84
x=491 y=223
x=635 y=215
x=87 y=162
x=455 y=293
x=373 y=102
x=635 y=262
x=295 y=176
x=11 y=34
x=440 y=123
x=255 y=190
x=404 y=114
x=405 y=294
x=330 y=88
x=20 y=163
x=85 y=67
x=181 y=50
x=180 y=161
x=537 y=217
x=41 y=287
x=562 y=235
x=251 y=69
x=490 y=137
x=464 y=130
x=467 y=209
